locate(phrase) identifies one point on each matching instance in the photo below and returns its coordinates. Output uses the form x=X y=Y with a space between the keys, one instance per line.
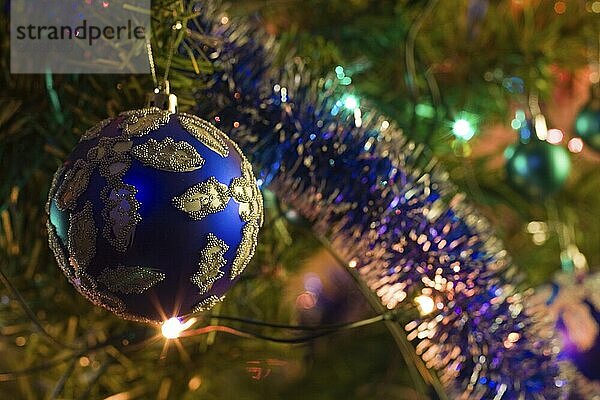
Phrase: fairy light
x=172 y=328
x=575 y=145
x=357 y=117
x=425 y=304
x=425 y=110
x=306 y=300
x=537 y=226
x=351 y=102
x=463 y=129
x=514 y=337
x=554 y=136
x=195 y=383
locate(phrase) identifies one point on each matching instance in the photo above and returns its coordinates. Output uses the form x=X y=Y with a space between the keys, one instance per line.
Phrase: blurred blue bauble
x=586 y=359
x=538 y=168
x=573 y=302
x=154 y=215
x=587 y=124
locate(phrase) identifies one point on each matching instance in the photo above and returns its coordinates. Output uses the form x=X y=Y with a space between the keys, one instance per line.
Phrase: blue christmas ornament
x=154 y=215
x=571 y=306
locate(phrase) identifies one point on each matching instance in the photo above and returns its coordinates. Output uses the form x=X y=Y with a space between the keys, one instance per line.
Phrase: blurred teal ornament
x=587 y=124
x=537 y=168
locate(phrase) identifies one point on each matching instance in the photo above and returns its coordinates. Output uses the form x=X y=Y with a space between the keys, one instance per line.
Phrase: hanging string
x=172 y=40
x=151 y=61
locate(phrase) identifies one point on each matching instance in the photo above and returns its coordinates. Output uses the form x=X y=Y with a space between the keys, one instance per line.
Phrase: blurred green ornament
x=537 y=168
x=587 y=124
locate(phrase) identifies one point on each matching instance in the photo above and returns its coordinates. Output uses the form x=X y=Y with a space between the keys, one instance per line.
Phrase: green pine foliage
x=464 y=59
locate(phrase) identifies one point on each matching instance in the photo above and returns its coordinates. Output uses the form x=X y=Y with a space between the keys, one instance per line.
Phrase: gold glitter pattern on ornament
x=245 y=250
x=246 y=193
x=87 y=286
x=206 y=133
x=211 y=261
x=130 y=280
x=54 y=187
x=113 y=158
x=168 y=155
x=73 y=185
x=82 y=238
x=204 y=198
x=94 y=131
x=120 y=215
x=141 y=122
x=208 y=303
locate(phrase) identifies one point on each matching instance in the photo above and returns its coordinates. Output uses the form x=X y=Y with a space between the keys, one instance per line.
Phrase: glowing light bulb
x=425 y=303
x=463 y=129
x=351 y=102
x=513 y=337
x=172 y=328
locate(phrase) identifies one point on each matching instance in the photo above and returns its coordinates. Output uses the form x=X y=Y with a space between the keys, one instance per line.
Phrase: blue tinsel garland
x=393 y=217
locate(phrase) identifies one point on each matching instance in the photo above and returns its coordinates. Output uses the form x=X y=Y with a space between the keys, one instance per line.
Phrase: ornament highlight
x=154 y=215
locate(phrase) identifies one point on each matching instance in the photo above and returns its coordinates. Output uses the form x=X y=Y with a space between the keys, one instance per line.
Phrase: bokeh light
x=463 y=129
x=425 y=304
x=575 y=145
x=351 y=102
x=554 y=136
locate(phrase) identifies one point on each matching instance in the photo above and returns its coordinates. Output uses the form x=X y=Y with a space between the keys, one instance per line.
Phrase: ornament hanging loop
x=163 y=98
